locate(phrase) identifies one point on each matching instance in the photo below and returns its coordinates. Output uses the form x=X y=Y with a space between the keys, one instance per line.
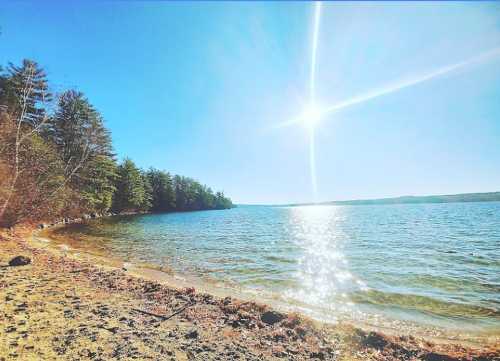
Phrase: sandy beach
x=63 y=306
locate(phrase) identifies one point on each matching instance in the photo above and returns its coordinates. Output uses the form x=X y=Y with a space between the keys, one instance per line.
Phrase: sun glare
x=311 y=116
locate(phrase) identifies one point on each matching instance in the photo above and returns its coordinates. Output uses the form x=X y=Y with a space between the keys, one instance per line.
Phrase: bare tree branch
x=26 y=91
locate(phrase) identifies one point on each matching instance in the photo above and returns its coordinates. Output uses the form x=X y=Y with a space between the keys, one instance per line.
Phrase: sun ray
x=311 y=115
x=315 y=35
x=487 y=56
x=405 y=83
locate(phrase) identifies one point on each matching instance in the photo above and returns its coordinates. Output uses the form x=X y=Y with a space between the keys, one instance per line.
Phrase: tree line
x=57 y=159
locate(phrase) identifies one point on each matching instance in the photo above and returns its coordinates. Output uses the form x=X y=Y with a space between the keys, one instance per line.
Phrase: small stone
x=375 y=340
x=271 y=317
x=192 y=334
x=19 y=261
x=318 y=355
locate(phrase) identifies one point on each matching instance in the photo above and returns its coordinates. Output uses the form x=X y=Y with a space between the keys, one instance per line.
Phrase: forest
x=57 y=159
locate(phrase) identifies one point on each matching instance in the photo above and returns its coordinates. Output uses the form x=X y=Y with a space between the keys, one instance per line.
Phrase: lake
x=435 y=265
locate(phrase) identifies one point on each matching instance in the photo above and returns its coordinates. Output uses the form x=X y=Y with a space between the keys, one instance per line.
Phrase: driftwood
x=163 y=318
x=78 y=270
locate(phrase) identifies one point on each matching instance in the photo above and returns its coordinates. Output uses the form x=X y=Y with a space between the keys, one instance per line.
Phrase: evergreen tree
x=130 y=194
x=222 y=202
x=84 y=144
x=190 y=195
x=148 y=193
x=78 y=131
x=23 y=97
x=62 y=163
x=163 y=197
x=208 y=198
x=6 y=92
x=25 y=92
x=180 y=193
x=98 y=180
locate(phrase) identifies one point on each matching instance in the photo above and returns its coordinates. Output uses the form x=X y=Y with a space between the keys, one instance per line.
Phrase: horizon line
x=363 y=199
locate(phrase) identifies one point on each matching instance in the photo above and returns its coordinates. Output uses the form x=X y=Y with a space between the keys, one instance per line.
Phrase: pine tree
x=37 y=192
x=222 y=202
x=23 y=97
x=62 y=163
x=98 y=180
x=130 y=193
x=180 y=193
x=148 y=193
x=25 y=92
x=78 y=131
x=163 y=197
x=84 y=144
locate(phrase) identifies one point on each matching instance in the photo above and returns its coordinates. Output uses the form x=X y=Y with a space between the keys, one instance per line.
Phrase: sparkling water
x=430 y=264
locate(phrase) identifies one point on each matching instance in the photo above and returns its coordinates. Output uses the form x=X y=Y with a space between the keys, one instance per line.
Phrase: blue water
x=433 y=264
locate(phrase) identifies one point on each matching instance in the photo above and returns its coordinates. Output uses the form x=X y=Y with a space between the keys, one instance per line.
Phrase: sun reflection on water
x=323 y=276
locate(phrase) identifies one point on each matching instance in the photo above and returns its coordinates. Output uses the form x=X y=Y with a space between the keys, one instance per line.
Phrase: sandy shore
x=69 y=306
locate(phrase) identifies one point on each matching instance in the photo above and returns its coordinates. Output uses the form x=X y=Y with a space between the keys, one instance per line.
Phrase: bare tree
x=20 y=121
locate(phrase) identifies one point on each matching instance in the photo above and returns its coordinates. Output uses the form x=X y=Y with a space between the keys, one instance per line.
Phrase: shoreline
x=385 y=323
x=219 y=320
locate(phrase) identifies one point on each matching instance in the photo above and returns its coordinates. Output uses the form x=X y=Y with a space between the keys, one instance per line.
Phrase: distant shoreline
x=446 y=198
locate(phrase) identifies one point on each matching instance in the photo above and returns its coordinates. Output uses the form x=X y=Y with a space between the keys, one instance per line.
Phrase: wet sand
x=76 y=306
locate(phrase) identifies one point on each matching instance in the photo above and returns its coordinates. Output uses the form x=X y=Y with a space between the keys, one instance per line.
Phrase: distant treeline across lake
x=448 y=198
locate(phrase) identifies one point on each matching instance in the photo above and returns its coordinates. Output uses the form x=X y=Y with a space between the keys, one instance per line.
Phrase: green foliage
x=78 y=131
x=130 y=192
x=84 y=144
x=25 y=86
x=98 y=180
x=163 y=196
x=148 y=193
x=222 y=202
x=190 y=195
x=158 y=192
x=6 y=92
x=62 y=163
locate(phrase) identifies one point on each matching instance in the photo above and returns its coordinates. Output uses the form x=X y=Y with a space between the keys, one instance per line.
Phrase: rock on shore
x=19 y=261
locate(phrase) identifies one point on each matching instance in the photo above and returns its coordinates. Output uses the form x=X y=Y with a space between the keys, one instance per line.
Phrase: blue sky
x=198 y=89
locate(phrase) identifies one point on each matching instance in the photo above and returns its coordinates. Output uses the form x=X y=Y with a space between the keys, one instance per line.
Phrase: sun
x=311 y=116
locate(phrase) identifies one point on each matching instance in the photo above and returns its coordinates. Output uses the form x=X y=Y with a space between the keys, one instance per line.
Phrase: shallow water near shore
x=429 y=265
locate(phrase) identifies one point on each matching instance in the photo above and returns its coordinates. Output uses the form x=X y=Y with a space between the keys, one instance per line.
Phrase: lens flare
x=311 y=114
x=411 y=81
x=315 y=35
x=311 y=117
x=488 y=56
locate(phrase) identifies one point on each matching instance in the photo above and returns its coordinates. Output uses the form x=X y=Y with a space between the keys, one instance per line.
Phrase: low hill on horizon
x=448 y=198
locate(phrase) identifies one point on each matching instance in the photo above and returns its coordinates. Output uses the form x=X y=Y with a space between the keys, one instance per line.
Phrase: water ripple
x=433 y=262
